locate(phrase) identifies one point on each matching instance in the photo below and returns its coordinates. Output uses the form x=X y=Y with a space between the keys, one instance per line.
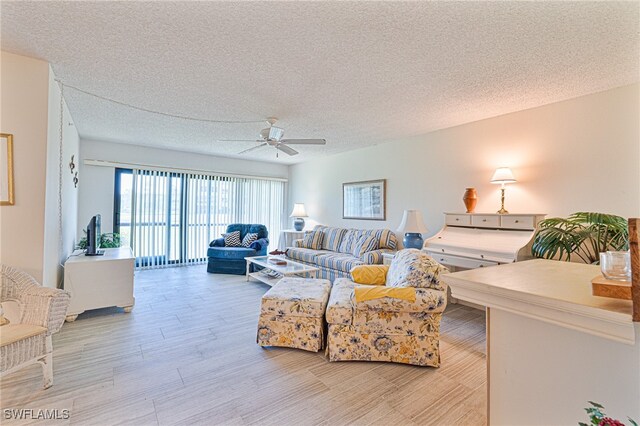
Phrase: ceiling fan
x=272 y=136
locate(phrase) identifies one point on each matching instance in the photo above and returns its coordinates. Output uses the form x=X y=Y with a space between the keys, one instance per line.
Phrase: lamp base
x=502 y=211
x=413 y=240
x=298 y=224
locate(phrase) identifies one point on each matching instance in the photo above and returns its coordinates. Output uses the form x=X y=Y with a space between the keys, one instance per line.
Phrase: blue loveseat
x=230 y=260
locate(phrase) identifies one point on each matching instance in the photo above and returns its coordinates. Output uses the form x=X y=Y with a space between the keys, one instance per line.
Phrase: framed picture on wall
x=6 y=170
x=364 y=200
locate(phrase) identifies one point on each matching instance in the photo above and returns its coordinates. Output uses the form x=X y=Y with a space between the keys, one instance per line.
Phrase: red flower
x=608 y=421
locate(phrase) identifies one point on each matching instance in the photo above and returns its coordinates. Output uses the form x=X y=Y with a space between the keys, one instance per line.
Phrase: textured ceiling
x=355 y=73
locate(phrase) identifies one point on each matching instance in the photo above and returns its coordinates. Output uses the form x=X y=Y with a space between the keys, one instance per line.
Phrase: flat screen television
x=93 y=237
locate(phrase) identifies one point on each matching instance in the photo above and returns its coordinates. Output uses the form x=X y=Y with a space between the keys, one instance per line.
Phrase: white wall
x=24 y=101
x=29 y=234
x=577 y=155
x=55 y=253
x=97 y=182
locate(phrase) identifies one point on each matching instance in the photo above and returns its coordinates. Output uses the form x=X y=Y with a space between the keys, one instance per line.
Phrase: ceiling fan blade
x=275 y=133
x=252 y=148
x=240 y=140
x=286 y=149
x=304 y=141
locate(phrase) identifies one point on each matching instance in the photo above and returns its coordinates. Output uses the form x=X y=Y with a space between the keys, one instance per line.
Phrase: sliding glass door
x=170 y=218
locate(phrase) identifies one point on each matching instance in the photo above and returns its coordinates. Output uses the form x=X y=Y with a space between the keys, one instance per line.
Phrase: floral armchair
x=398 y=321
x=33 y=314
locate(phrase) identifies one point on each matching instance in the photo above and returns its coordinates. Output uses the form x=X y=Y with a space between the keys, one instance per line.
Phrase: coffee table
x=291 y=268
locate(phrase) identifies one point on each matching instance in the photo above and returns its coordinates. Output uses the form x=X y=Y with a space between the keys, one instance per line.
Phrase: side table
x=387 y=258
x=287 y=236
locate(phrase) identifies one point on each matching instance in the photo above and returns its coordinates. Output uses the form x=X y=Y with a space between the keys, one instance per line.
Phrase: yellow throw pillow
x=365 y=292
x=370 y=274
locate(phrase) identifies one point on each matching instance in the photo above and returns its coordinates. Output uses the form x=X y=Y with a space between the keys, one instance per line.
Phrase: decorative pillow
x=232 y=239
x=413 y=268
x=386 y=237
x=312 y=240
x=370 y=274
x=349 y=239
x=332 y=238
x=364 y=244
x=248 y=239
x=363 y=293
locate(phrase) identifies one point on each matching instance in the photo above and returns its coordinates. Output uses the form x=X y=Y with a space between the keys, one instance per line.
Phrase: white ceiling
x=355 y=73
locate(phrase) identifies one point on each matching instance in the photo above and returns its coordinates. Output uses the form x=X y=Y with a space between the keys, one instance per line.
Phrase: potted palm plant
x=582 y=235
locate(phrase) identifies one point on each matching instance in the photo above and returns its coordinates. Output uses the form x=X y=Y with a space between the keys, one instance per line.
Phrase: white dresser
x=99 y=281
x=472 y=240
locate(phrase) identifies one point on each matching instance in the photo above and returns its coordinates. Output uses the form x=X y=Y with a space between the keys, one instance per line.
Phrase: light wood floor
x=187 y=355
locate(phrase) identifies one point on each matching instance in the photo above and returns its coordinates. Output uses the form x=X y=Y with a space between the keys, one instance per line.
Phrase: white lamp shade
x=503 y=175
x=298 y=211
x=412 y=222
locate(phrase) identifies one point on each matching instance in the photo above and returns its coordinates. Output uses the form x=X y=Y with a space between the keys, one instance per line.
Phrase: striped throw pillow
x=332 y=238
x=248 y=239
x=313 y=240
x=232 y=239
x=364 y=244
x=349 y=241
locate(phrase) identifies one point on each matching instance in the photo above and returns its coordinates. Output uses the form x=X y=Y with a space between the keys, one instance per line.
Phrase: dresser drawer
x=458 y=219
x=486 y=221
x=460 y=262
x=517 y=222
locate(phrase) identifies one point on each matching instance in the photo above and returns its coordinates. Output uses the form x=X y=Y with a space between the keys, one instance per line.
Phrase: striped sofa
x=334 y=254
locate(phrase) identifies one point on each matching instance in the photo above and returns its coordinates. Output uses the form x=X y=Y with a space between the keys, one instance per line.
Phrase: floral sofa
x=389 y=328
x=335 y=251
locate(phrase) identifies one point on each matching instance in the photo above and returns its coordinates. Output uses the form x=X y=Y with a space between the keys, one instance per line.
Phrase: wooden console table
x=99 y=281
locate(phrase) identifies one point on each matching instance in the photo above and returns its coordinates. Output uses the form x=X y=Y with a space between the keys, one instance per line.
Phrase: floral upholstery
x=301 y=297
x=349 y=343
x=414 y=268
x=341 y=305
x=388 y=329
x=292 y=314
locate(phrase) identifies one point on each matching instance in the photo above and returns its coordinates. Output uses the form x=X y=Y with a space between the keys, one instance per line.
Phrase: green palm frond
x=583 y=234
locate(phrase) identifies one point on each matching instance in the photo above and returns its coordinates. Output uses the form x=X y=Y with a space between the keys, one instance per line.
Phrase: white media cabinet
x=99 y=281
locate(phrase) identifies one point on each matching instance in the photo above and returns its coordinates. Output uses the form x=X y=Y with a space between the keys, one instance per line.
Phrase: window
x=170 y=218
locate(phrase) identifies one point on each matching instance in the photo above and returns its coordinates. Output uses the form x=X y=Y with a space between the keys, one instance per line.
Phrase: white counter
x=551 y=345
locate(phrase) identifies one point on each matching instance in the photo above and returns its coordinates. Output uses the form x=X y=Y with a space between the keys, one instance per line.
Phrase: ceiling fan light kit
x=272 y=136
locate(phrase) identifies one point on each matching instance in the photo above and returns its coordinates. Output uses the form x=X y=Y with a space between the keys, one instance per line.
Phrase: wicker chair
x=42 y=310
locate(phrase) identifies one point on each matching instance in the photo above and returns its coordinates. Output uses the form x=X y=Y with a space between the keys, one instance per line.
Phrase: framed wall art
x=7 y=196
x=364 y=200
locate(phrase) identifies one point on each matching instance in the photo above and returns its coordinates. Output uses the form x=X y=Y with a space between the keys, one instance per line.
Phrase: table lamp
x=503 y=175
x=412 y=226
x=298 y=212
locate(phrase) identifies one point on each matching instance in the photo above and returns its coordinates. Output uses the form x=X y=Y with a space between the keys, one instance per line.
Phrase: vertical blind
x=174 y=216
